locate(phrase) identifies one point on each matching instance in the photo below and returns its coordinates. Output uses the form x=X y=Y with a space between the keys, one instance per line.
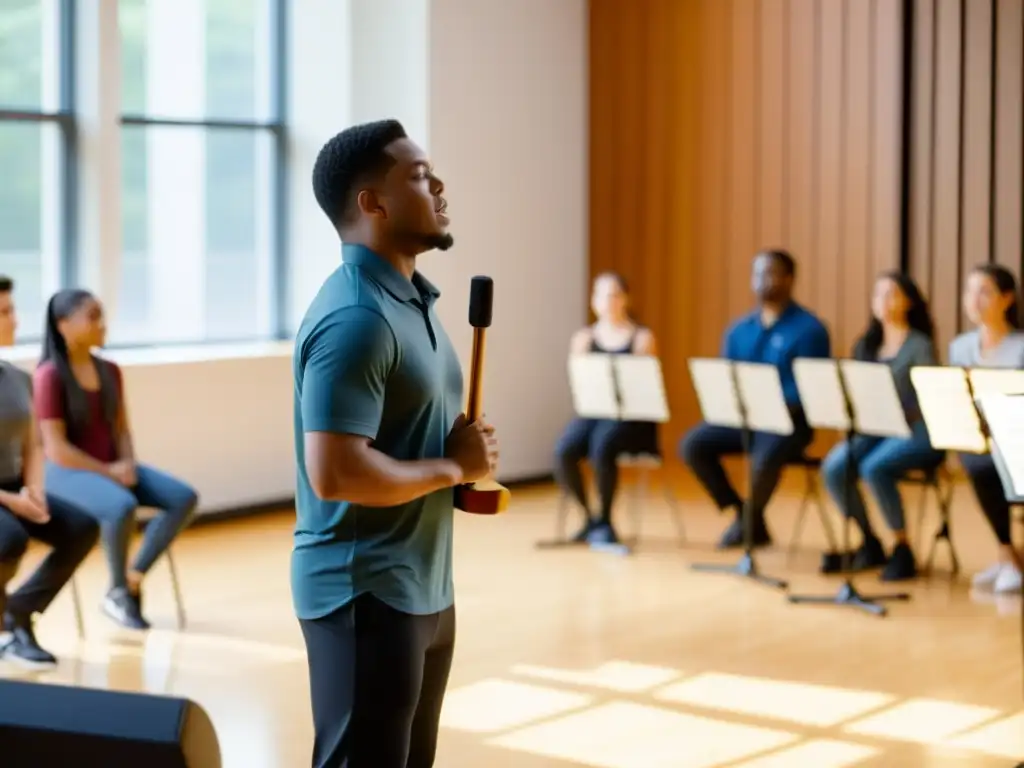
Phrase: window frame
x=65 y=119
x=277 y=129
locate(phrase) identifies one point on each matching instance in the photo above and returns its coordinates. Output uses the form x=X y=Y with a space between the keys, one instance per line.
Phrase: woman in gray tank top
x=26 y=512
x=990 y=302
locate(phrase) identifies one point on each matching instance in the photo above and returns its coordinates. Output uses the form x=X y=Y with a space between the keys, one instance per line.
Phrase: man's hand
x=30 y=505
x=123 y=472
x=473 y=447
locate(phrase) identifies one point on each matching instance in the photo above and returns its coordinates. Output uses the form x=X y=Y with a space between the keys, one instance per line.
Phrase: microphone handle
x=475 y=400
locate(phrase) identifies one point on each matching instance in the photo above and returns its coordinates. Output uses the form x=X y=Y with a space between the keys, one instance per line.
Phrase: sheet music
x=821 y=393
x=1004 y=415
x=948 y=409
x=996 y=381
x=593 y=386
x=641 y=388
x=716 y=391
x=874 y=399
x=761 y=389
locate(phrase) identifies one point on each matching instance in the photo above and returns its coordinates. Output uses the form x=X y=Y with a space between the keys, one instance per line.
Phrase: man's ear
x=369 y=203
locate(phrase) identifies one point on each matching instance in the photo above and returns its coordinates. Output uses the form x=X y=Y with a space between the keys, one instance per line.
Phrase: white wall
x=496 y=90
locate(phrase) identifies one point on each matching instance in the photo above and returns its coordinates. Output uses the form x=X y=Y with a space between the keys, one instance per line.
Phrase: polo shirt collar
x=390 y=279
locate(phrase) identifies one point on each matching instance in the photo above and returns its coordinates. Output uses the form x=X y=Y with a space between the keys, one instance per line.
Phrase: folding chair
x=940 y=482
x=812 y=495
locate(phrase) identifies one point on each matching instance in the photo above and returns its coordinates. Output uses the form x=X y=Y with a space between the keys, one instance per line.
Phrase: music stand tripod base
x=745 y=567
x=848 y=595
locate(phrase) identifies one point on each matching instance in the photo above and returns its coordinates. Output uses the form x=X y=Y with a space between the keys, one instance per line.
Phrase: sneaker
x=987 y=578
x=901 y=566
x=21 y=648
x=869 y=555
x=124 y=608
x=733 y=536
x=1008 y=581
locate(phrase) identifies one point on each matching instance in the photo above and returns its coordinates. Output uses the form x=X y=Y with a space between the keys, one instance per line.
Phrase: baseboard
x=288 y=503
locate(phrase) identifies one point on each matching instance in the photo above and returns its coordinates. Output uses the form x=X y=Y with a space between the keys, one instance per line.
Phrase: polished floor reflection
x=571 y=658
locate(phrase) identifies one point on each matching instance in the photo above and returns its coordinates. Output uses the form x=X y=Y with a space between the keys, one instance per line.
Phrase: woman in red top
x=90 y=463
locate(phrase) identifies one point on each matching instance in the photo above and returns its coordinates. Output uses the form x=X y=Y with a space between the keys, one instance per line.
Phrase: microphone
x=484 y=497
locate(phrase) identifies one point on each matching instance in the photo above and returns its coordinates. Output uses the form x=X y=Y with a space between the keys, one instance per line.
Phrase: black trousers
x=377 y=680
x=704 y=446
x=69 y=533
x=988 y=489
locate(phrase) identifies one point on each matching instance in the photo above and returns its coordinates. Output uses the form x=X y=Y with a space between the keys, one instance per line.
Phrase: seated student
x=777 y=332
x=990 y=302
x=25 y=512
x=901 y=333
x=90 y=459
x=602 y=441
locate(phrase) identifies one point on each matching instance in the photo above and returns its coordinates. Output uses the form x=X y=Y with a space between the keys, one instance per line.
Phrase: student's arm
x=580 y=342
x=345 y=371
x=49 y=407
x=815 y=342
x=925 y=354
x=645 y=343
x=122 y=430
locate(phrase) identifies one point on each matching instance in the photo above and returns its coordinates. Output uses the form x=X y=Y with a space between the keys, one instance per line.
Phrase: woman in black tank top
x=601 y=441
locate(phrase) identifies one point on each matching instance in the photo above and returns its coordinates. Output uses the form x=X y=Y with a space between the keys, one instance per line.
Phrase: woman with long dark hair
x=91 y=463
x=901 y=333
x=990 y=303
x=602 y=441
x=28 y=512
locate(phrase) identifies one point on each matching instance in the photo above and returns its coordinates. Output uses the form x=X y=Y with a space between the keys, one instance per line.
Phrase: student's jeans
x=880 y=463
x=113 y=506
x=704 y=446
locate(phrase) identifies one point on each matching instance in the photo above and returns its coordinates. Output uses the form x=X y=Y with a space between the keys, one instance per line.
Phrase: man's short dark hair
x=349 y=160
x=6 y=284
x=783 y=259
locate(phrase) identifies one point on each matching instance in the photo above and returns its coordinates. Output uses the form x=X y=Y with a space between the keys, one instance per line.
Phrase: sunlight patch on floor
x=819 y=753
x=923 y=721
x=497 y=705
x=618 y=676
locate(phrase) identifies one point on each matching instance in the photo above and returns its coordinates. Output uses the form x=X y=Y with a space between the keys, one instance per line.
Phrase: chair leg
x=826 y=524
x=561 y=514
x=639 y=498
x=944 y=502
x=179 y=604
x=809 y=492
x=76 y=601
x=673 y=507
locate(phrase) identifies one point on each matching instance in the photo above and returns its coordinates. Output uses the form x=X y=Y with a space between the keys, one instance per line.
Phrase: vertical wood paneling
x=830 y=187
x=1009 y=127
x=719 y=127
x=947 y=160
x=802 y=152
x=773 y=176
x=745 y=205
x=858 y=108
x=977 y=138
x=886 y=135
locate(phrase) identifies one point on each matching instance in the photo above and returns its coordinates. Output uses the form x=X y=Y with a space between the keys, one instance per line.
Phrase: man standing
x=777 y=332
x=381 y=443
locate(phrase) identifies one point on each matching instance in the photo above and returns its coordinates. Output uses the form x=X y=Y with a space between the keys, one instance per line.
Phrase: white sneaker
x=987 y=578
x=1009 y=581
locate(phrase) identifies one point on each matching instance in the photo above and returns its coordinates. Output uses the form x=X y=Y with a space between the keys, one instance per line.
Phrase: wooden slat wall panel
x=719 y=127
x=966 y=175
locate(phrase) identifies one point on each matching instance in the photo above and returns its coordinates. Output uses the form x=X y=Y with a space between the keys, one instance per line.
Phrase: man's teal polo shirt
x=372 y=359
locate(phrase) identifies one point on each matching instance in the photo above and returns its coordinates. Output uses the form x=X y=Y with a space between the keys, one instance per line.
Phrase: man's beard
x=436 y=242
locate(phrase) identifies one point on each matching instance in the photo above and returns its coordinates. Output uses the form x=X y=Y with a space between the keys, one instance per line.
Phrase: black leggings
x=377 y=680
x=601 y=442
x=988 y=488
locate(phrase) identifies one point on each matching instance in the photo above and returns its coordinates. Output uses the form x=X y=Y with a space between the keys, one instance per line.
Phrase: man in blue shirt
x=777 y=332
x=380 y=445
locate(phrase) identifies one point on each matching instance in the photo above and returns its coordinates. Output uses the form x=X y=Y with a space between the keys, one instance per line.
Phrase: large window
x=36 y=142
x=202 y=167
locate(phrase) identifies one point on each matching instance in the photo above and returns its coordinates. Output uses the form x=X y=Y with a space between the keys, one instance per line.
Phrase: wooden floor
x=571 y=658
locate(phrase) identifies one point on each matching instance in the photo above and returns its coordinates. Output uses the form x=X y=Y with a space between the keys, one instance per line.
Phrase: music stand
x=747 y=397
x=615 y=388
x=830 y=391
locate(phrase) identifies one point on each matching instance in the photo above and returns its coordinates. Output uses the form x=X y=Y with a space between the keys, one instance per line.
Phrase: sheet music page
x=716 y=391
x=1005 y=417
x=821 y=393
x=948 y=409
x=761 y=390
x=641 y=388
x=996 y=381
x=874 y=399
x=593 y=386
